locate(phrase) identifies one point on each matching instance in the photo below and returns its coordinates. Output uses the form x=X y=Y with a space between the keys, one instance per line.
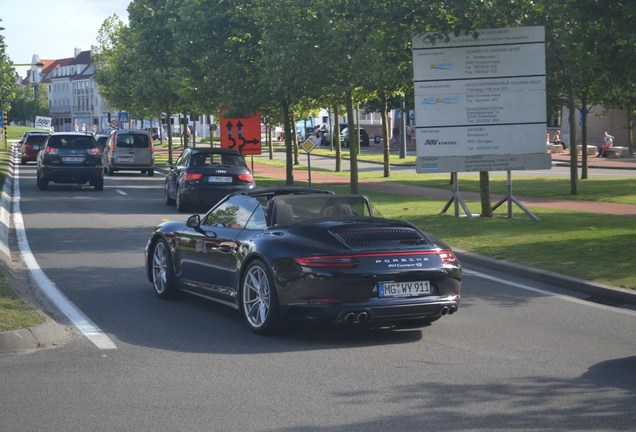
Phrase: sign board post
x=308 y=145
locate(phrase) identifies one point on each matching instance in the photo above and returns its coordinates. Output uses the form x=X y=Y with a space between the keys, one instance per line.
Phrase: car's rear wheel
x=110 y=170
x=98 y=184
x=181 y=206
x=23 y=161
x=259 y=301
x=151 y=172
x=162 y=271
x=43 y=184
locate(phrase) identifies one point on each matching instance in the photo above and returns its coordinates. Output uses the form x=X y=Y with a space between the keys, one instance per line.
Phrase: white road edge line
x=551 y=294
x=121 y=192
x=80 y=321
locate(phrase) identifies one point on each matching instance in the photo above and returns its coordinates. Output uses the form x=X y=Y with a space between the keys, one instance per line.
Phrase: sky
x=52 y=29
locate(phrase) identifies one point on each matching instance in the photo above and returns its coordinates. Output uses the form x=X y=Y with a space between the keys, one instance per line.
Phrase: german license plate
x=74 y=159
x=121 y=159
x=404 y=289
x=220 y=179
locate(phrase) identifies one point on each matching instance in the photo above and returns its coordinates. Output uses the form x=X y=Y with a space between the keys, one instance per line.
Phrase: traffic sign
x=308 y=145
x=114 y=123
x=122 y=117
x=242 y=134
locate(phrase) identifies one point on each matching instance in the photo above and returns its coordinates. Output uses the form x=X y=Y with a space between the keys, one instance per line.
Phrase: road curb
x=29 y=339
x=604 y=293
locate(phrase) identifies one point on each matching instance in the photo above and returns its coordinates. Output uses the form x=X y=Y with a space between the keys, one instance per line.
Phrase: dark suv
x=70 y=157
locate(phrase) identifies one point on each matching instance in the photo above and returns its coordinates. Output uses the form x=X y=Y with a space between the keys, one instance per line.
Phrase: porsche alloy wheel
x=259 y=302
x=162 y=271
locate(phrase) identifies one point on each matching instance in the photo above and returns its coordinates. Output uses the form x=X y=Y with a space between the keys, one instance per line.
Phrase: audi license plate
x=219 y=179
x=404 y=289
x=73 y=159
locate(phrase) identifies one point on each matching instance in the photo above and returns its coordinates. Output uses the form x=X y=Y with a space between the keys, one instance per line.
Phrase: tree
x=8 y=86
x=30 y=101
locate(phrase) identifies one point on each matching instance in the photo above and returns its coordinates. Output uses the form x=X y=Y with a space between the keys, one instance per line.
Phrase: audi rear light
x=247 y=178
x=193 y=176
x=327 y=261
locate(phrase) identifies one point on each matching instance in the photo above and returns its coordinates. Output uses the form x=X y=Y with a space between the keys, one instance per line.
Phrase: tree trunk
x=289 y=169
x=354 y=143
x=584 y=172
x=384 y=109
x=169 y=127
x=574 y=181
x=630 y=130
x=335 y=138
x=295 y=142
x=484 y=191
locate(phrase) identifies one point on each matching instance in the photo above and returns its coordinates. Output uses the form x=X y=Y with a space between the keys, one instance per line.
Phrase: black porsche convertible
x=279 y=254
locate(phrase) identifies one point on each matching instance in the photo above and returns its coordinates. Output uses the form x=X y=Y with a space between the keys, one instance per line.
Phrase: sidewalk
x=594 y=162
x=325 y=179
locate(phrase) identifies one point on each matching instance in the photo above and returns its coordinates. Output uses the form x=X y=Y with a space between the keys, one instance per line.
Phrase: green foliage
x=29 y=102
x=8 y=86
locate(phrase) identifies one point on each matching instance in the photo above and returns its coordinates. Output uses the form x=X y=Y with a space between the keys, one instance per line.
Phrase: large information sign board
x=481 y=102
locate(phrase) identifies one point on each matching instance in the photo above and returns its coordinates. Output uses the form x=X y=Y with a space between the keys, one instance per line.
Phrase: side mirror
x=194 y=221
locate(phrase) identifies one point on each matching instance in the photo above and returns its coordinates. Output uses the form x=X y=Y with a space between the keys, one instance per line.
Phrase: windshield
x=305 y=207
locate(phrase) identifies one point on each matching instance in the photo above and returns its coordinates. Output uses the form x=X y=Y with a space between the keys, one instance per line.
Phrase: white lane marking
x=551 y=294
x=81 y=322
x=121 y=192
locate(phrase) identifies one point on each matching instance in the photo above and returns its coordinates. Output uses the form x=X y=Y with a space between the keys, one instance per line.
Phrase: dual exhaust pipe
x=448 y=310
x=356 y=317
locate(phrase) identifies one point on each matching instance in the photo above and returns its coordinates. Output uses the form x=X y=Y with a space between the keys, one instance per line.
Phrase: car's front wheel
x=162 y=271
x=259 y=302
x=169 y=200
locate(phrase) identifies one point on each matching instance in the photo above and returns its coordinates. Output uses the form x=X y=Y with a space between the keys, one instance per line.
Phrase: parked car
x=278 y=254
x=101 y=139
x=202 y=176
x=70 y=157
x=31 y=145
x=364 y=137
x=129 y=150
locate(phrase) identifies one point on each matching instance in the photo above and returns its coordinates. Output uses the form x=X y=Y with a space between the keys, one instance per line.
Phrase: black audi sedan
x=202 y=176
x=70 y=157
x=281 y=254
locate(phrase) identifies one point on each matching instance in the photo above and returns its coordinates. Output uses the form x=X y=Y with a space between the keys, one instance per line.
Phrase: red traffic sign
x=242 y=134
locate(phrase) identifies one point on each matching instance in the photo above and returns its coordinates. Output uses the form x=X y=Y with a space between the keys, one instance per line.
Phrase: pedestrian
x=608 y=142
x=558 y=140
x=315 y=136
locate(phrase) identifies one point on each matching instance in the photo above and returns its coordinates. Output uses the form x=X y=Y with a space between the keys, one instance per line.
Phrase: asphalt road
x=517 y=356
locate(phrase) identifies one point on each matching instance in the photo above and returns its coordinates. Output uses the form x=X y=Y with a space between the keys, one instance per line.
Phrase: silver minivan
x=129 y=150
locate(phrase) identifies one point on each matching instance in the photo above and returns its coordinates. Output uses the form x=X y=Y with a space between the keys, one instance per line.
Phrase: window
x=236 y=213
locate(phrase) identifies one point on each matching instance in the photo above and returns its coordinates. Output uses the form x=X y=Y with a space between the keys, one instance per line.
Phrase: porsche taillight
x=447 y=256
x=327 y=261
